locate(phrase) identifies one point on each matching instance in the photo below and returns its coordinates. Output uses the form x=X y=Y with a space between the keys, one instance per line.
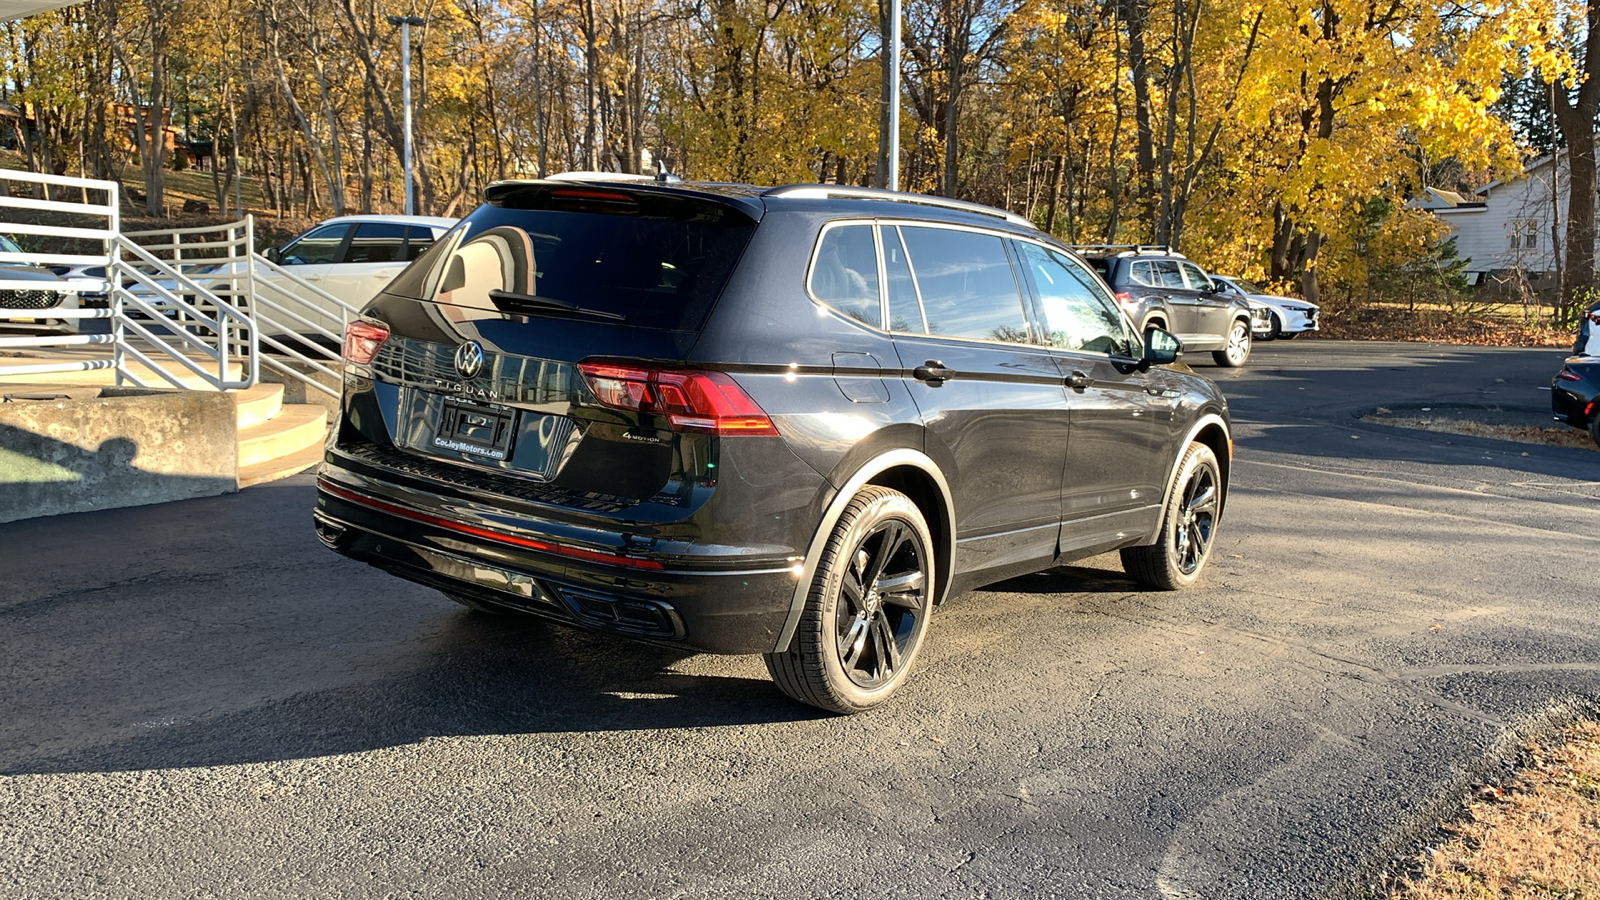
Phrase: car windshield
x=1249 y=287
x=7 y=245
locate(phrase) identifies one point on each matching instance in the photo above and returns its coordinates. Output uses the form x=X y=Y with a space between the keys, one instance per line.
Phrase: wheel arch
x=1211 y=429
x=911 y=472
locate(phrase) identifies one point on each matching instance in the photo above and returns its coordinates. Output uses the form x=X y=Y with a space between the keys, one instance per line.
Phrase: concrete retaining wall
x=105 y=447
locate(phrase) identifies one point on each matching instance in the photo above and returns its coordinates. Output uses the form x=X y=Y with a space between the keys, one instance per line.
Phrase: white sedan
x=1284 y=317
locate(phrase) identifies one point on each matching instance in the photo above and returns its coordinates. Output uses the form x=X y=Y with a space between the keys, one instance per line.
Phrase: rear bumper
x=708 y=603
x=1569 y=407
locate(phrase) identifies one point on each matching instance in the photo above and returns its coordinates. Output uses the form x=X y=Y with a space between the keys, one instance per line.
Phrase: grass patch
x=1463 y=422
x=1538 y=838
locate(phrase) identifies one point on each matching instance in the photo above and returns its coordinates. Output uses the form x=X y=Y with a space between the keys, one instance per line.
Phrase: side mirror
x=1160 y=348
x=273 y=254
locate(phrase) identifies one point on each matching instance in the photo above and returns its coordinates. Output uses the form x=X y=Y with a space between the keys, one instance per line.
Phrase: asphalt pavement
x=198 y=700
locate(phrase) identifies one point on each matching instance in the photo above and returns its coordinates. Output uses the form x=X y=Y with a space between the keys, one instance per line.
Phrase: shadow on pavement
x=155 y=660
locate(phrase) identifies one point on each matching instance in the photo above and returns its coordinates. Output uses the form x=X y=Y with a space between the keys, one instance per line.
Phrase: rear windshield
x=656 y=261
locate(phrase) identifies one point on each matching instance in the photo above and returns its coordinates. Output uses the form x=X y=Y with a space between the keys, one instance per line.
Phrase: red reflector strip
x=578 y=553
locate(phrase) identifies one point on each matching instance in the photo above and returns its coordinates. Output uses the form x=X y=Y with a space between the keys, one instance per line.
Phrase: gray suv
x=1160 y=288
x=789 y=421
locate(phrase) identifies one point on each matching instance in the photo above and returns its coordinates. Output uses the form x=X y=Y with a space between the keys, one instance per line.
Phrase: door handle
x=933 y=372
x=1078 y=381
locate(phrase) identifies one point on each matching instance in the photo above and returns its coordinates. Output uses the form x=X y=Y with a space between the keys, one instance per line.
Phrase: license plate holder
x=476 y=429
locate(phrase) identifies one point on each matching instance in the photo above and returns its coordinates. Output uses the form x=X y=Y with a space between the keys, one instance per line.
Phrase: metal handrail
x=161 y=307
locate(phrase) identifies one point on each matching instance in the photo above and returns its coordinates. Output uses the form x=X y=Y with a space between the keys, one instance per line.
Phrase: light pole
x=405 y=23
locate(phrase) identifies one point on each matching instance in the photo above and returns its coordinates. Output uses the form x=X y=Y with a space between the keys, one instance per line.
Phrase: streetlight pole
x=405 y=23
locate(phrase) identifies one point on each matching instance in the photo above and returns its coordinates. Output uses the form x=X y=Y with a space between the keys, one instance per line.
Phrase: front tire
x=866 y=611
x=1238 y=349
x=1188 y=526
x=1277 y=328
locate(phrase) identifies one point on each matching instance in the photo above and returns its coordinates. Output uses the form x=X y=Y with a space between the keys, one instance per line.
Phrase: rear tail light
x=1124 y=298
x=362 y=340
x=702 y=402
x=1567 y=374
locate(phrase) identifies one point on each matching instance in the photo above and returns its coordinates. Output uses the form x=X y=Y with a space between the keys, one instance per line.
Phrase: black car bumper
x=714 y=604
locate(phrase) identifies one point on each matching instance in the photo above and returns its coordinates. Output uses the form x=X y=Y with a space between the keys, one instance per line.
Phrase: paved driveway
x=198 y=700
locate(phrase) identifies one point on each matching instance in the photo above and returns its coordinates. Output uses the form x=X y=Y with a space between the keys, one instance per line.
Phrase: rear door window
x=657 y=261
x=418 y=239
x=905 y=310
x=844 y=274
x=966 y=283
x=377 y=242
x=1167 y=274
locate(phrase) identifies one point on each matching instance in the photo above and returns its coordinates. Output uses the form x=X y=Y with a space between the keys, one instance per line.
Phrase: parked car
x=1575 y=394
x=92 y=297
x=1159 y=288
x=786 y=421
x=1284 y=317
x=349 y=257
x=29 y=307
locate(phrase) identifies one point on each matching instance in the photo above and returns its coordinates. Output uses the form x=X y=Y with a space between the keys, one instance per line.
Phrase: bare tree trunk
x=154 y=114
x=1134 y=15
x=1576 y=122
x=591 y=85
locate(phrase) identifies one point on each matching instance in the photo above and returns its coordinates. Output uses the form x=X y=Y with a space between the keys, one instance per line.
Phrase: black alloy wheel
x=1188 y=526
x=867 y=610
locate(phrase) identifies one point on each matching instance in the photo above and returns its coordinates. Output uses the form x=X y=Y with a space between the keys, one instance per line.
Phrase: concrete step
x=257 y=404
x=280 y=467
x=293 y=429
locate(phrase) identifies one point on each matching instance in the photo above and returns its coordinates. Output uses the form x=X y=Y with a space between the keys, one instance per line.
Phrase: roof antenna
x=664 y=176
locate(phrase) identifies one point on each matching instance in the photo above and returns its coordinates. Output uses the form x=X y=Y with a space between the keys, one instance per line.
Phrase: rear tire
x=1594 y=428
x=1238 y=349
x=1188 y=526
x=867 y=608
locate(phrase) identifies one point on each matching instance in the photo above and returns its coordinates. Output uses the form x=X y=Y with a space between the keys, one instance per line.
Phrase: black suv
x=1159 y=288
x=787 y=421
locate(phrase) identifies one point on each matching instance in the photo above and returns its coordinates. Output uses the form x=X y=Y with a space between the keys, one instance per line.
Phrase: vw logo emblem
x=469 y=359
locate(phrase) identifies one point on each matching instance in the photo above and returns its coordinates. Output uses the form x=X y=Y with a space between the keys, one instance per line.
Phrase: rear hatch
x=537 y=350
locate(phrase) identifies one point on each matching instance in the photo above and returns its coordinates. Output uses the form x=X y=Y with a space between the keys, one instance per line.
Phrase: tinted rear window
x=659 y=262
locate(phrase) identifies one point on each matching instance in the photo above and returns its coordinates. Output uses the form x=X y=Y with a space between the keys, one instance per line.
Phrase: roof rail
x=1127 y=249
x=842 y=192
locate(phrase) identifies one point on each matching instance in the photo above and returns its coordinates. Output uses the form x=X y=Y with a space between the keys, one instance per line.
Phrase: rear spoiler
x=603 y=192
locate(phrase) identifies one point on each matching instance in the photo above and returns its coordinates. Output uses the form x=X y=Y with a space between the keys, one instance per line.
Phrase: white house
x=1510 y=225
